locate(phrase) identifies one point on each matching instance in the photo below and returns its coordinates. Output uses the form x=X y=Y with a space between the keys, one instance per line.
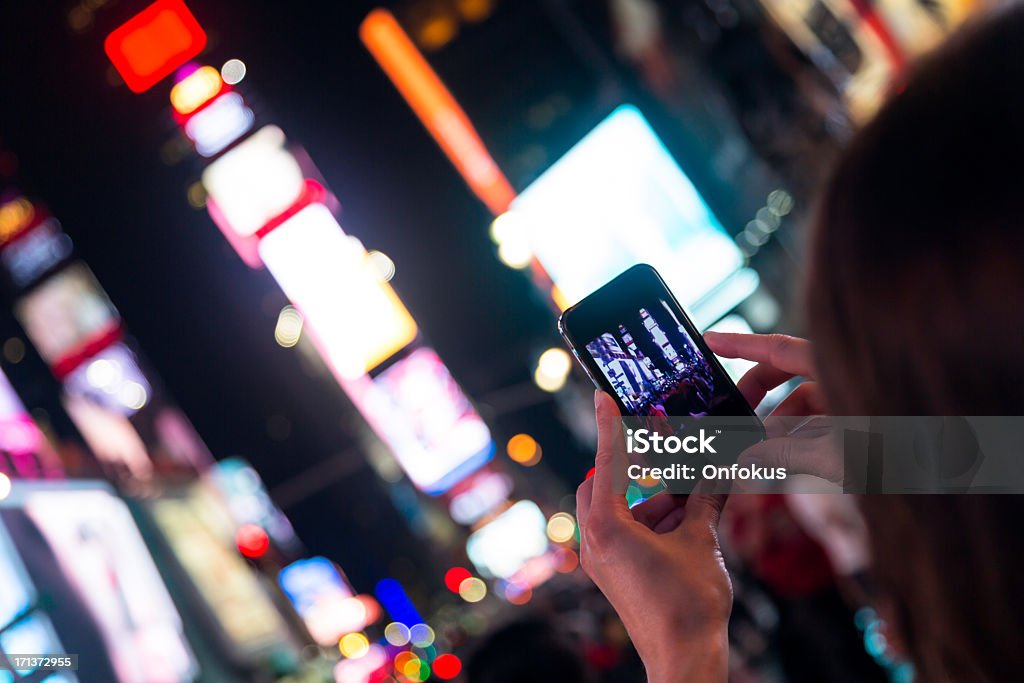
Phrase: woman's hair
x=915 y=302
x=915 y=296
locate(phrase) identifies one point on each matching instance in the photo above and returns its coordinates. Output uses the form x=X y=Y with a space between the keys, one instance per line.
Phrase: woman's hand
x=779 y=359
x=659 y=565
x=798 y=439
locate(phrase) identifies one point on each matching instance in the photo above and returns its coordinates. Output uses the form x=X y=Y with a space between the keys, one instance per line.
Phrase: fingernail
x=597 y=398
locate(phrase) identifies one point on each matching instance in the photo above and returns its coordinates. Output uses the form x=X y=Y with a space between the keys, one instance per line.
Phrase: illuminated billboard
x=433 y=430
x=253 y=183
x=25 y=451
x=24 y=627
x=101 y=552
x=68 y=318
x=219 y=124
x=112 y=379
x=504 y=545
x=324 y=600
x=35 y=251
x=151 y=45
x=249 y=502
x=356 y=319
x=618 y=198
x=200 y=535
x=196 y=89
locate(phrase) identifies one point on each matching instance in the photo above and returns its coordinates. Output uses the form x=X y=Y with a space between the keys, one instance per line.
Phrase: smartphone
x=636 y=343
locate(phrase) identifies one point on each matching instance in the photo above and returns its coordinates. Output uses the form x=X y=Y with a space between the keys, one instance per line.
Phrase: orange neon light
x=421 y=87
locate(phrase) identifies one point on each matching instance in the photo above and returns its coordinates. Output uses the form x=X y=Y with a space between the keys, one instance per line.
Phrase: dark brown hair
x=915 y=302
x=916 y=291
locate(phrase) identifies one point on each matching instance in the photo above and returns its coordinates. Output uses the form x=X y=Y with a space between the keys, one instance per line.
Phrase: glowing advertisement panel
x=110 y=436
x=322 y=598
x=248 y=501
x=29 y=453
x=111 y=379
x=503 y=546
x=152 y=44
x=436 y=435
x=616 y=199
x=19 y=602
x=253 y=183
x=101 y=551
x=218 y=125
x=200 y=535
x=357 y=320
x=68 y=317
x=35 y=251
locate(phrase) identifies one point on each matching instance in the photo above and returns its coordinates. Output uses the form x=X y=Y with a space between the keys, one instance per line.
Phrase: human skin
x=660 y=563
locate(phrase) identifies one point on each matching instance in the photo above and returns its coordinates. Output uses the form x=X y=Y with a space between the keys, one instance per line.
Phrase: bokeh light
x=524 y=449
x=15 y=215
x=566 y=560
x=513 y=245
x=437 y=31
x=553 y=368
x=397 y=634
x=475 y=10
x=447 y=667
x=454 y=577
x=14 y=350
x=195 y=90
x=252 y=541
x=351 y=612
x=403 y=658
x=233 y=71
x=354 y=645
x=518 y=593
x=515 y=253
x=5 y=486
x=411 y=668
x=132 y=395
x=561 y=527
x=421 y=635
x=504 y=226
x=196 y=195
x=289 y=327
x=80 y=18
x=383 y=264
x=472 y=590
x=779 y=202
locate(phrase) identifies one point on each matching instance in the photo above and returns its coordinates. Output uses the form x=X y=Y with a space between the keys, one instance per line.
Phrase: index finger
x=789 y=354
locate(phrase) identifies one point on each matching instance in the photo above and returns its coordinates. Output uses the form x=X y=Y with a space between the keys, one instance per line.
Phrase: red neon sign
x=151 y=45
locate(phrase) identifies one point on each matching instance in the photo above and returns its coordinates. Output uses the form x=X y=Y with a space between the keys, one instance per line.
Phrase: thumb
x=704 y=510
x=609 y=438
x=797 y=455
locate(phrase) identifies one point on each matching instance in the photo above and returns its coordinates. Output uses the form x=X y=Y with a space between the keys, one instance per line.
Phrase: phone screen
x=637 y=342
x=653 y=365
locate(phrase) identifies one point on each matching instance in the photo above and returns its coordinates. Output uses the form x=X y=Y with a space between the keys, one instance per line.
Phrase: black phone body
x=637 y=344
